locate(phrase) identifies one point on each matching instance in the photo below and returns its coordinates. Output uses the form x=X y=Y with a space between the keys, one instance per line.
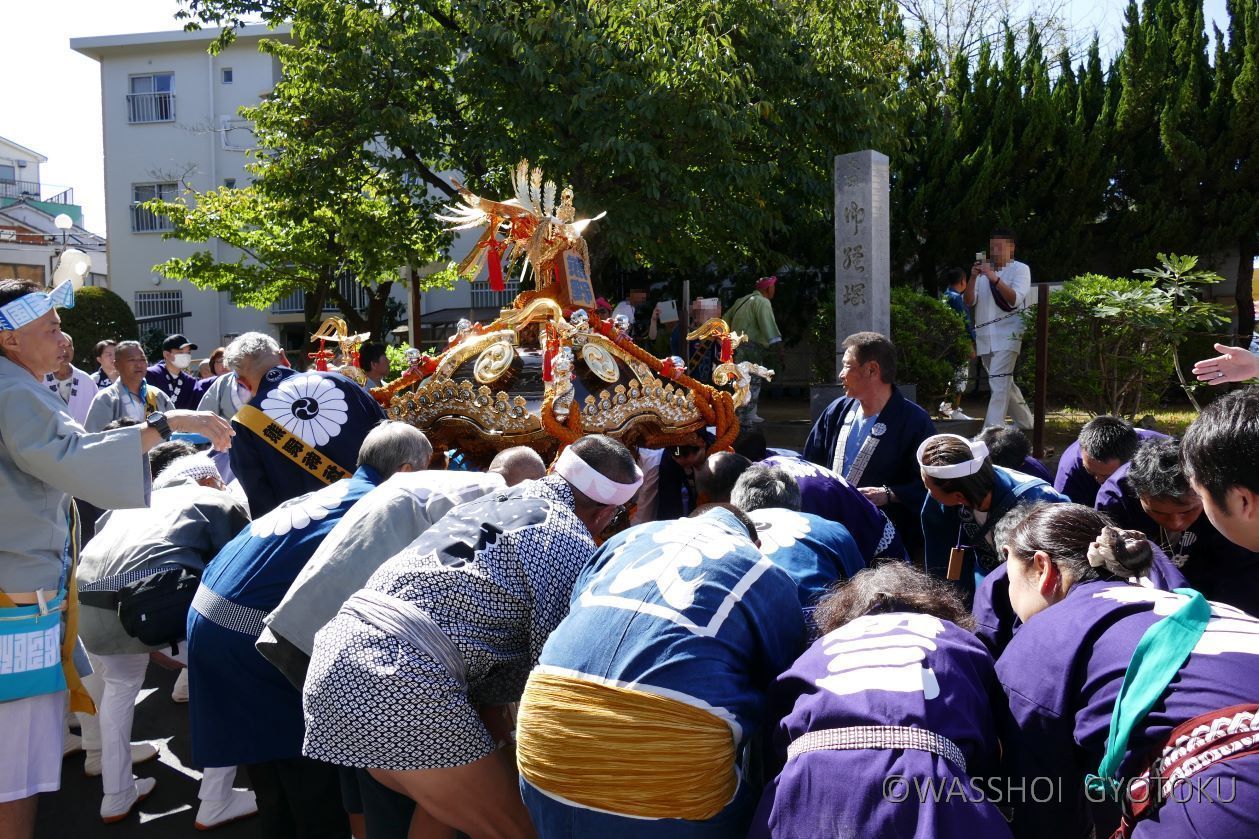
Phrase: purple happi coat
x=1221 y=570
x=898 y=669
x=824 y=493
x=996 y=623
x=1062 y=672
x=1077 y=484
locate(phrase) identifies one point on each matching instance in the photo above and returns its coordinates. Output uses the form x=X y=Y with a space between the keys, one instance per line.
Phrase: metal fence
x=150 y=107
x=160 y=311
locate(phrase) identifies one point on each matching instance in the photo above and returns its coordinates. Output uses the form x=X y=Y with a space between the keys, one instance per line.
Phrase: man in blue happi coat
x=675 y=631
x=300 y=431
x=816 y=552
x=244 y=711
x=868 y=436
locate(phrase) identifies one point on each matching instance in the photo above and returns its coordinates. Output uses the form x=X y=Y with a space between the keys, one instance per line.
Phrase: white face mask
x=183 y=360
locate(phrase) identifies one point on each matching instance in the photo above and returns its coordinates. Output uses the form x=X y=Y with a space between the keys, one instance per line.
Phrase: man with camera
x=998 y=289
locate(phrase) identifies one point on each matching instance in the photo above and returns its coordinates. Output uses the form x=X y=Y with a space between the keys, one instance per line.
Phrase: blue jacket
x=943 y=527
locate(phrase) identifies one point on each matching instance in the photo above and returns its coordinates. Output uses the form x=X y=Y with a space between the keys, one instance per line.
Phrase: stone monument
x=862 y=254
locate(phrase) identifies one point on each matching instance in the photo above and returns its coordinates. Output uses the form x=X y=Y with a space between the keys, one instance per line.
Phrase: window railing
x=150 y=107
x=295 y=303
x=147 y=221
x=485 y=298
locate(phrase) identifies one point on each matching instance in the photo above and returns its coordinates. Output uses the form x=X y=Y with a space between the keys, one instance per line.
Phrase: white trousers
x=124 y=677
x=1006 y=396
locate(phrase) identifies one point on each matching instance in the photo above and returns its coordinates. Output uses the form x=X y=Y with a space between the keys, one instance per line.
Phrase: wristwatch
x=158 y=420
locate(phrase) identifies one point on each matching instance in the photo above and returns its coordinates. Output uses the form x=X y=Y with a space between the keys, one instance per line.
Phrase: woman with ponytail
x=1120 y=693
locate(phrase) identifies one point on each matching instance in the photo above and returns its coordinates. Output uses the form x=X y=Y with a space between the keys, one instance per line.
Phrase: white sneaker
x=73 y=745
x=239 y=804
x=140 y=753
x=116 y=807
x=179 y=693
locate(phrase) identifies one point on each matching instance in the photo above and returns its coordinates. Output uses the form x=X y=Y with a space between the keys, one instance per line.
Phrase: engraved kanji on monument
x=862 y=238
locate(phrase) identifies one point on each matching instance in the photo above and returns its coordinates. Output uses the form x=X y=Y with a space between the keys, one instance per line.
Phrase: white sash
x=862 y=460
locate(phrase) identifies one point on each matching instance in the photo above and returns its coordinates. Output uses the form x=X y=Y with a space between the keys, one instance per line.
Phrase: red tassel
x=548 y=353
x=727 y=353
x=496 y=266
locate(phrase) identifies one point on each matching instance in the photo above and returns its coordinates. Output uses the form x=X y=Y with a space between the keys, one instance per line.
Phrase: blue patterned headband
x=31 y=307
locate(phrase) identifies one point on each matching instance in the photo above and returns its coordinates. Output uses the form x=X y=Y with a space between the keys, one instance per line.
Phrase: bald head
x=517 y=465
x=716 y=476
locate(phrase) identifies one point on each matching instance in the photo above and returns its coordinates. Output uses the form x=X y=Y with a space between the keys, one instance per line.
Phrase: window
x=230 y=183
x=160 y=311
x=151 y=98
x=146 y=221
x=8 y=174
x=238 y=134
x=227 y=75
x=484 y=297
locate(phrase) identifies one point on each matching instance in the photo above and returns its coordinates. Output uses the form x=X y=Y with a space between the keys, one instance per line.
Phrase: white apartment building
x=171 y=115
x=30 y=241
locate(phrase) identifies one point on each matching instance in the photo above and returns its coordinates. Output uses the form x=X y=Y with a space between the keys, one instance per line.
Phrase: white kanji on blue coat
x=665 y=563
x=782 y=532
x=882 y=652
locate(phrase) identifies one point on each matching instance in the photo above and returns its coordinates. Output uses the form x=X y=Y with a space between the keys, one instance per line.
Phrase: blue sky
x=52 y=101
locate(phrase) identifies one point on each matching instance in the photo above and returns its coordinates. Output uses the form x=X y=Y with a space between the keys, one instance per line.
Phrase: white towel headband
x=978 y=453
x=31 y=307
x=593 y=485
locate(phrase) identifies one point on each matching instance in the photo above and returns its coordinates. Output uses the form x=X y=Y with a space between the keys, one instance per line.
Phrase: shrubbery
x=98 y=315
x=1113 y=340
x=931 y=343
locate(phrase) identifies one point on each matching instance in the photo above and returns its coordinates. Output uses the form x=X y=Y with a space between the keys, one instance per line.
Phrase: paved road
x=74 y=811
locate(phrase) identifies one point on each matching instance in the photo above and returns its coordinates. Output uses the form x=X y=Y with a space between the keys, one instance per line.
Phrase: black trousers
x=299 y=798
x=387 y=813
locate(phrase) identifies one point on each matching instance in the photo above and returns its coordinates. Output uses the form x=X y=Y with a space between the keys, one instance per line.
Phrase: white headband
x=590 y=483
x=192 y=466
x=31 y=307
x=945 y=471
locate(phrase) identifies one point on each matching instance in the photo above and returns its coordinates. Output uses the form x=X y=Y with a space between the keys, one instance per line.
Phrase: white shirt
x=624 y=308
x=995 y=330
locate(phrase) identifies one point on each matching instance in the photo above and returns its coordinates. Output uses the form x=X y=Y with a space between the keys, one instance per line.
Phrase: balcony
x=295 y=303
x=31 y=190
x=150 y=107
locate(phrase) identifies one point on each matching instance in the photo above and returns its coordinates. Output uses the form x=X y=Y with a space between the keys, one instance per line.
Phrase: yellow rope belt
x=622 y=750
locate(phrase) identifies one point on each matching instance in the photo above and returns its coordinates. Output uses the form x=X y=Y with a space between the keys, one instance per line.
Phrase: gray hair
x=246 y=350
x=761 y=487
x=129 y=345
x=391 y=445
x=517 y=464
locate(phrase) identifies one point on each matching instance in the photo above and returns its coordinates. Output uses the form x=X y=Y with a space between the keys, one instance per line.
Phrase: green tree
x=705 y=130
x=327 y=200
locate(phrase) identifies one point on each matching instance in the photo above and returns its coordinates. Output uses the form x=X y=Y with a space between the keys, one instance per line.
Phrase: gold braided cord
x=585 y=742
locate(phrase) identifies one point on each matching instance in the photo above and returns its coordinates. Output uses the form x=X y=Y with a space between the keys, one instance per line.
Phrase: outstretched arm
x=1234 y=364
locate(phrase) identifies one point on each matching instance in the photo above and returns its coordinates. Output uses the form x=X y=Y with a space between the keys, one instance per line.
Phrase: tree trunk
x=312 y=314
x=1245 y=291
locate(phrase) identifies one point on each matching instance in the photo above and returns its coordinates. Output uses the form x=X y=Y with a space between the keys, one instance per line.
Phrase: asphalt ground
x=170 y=811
